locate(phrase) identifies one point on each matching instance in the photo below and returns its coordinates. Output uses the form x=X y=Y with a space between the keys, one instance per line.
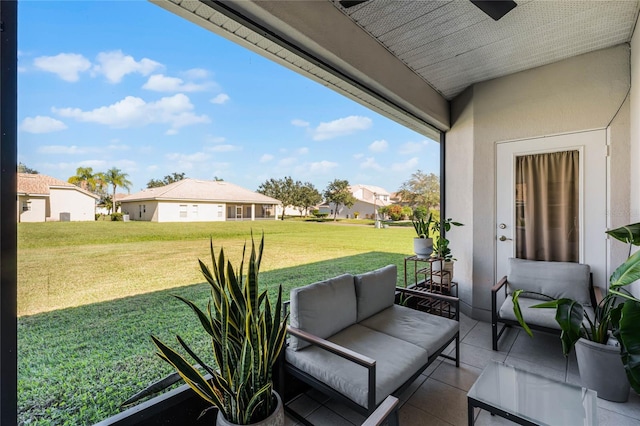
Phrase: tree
x=86 y=179
x=23 y=168
x=282 y=190
x=168 y=179
x=308 y=197
x=421 y=190
x=337 y=192
x=116 y=177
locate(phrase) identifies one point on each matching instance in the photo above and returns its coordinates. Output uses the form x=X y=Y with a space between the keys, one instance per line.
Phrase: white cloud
x=220 y=99
x=303 y=151
x=41 y=124
x=407 y=165
x=115 y=65
x=95 y=164
x=162 y=83
x=63 y=149
x=66 y=65
x=322 y=166
x=412 y=147
x=300 y=123
x=224 y=148
x=118 y=147
x=379 y=146
x=266 y=158
x=186 y=161
x=370 y=163
x=175 y=110
x=341 y=127
x=196 y=73
x=286 y=162
x=358 y=156
x=215 y=139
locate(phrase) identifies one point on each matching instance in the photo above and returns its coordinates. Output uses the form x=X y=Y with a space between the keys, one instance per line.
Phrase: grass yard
x=90 y=294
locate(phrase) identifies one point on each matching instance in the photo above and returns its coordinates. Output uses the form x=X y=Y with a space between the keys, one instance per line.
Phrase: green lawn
x=90 y=294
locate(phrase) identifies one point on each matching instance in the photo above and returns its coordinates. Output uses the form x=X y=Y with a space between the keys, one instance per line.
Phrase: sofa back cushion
x=555 y=279
x=323 y=308
x=375 y=291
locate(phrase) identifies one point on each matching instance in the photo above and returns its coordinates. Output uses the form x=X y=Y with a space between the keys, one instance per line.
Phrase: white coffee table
x=530 y=399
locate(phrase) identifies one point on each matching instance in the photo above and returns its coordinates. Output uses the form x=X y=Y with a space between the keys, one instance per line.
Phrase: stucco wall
x=37 y=212
x=204 y=212
x=140 y=210
x=81 y=206
x=634 y=157
x=580 y=93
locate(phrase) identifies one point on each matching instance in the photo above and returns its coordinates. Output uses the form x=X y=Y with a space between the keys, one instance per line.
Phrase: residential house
x=106 y=208
x=368 y=199
x=192 y=200
x=44 y=198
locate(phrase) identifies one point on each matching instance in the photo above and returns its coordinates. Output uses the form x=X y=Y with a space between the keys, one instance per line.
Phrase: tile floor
x=439 y=396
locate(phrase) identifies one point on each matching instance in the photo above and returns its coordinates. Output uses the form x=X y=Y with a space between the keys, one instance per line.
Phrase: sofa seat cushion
x=430 y=332
x=396 y=361
x=375 y=291
x=544 y=317
x=323 y=308
x=556 y=279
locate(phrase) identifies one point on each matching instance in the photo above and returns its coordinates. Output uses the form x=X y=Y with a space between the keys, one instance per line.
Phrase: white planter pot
x=438 y=277
x=601 y=369
x=275 y=419
x=423 y=247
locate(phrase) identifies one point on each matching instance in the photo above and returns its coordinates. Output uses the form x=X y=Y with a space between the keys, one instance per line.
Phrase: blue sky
x=127 y=84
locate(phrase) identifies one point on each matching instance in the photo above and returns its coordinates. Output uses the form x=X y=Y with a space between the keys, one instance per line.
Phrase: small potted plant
x=443 y=258
x=423 y=243
x=247 y=334
x=602 y=364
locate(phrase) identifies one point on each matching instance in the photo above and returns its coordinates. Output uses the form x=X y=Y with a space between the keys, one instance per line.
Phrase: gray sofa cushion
x=544 y=317
x=555 y=279
x=375 y=291
x=430 y=332
x=396 y=362
x=323 y=308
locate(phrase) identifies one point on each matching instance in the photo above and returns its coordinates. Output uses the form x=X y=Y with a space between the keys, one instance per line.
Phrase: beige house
x=368 y=199
x=44 y=198
x=192 y=200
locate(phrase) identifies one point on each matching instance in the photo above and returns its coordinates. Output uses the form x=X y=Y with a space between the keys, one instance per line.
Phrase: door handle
x=503 y=238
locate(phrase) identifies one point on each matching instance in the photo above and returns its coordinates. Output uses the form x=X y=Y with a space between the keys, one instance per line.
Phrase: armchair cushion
x=323 y=308
x=375 y=291
x=542 y=317
x=555 y=279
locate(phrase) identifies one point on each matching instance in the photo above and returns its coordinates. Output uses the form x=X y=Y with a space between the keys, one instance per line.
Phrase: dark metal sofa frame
x=368 y=363
x=495 y=315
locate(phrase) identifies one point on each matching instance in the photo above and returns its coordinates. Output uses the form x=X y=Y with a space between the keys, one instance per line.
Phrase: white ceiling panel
x=453 y=44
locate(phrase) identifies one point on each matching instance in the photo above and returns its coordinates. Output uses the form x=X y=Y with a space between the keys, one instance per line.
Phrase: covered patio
x=545 y=71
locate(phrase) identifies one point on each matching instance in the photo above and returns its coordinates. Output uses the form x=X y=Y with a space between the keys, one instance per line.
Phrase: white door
x=591 y=146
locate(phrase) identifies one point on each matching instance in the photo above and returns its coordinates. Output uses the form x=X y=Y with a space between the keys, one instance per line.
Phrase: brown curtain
x=547 y=207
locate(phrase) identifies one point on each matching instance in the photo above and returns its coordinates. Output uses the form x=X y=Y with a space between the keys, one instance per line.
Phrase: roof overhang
x=341 y=56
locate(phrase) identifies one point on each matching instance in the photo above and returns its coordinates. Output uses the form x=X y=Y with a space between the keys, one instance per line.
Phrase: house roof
x=371 y=188
x=38 y=184
x=201 y=190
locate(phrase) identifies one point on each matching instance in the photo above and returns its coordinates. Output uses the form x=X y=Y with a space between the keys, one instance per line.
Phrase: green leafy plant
x=440 y=243
x=618 y=312
x=423 y=227
x=247 y=335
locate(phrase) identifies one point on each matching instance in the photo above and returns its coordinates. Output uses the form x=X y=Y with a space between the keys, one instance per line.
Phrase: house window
x=219 y=210
x=183 y=210
x=26 y=206
x=194 y=210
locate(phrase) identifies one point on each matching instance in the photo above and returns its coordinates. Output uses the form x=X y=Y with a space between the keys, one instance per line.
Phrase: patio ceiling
x=408 y=59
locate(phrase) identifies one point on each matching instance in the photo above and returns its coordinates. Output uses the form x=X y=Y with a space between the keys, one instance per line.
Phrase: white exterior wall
x=202 y=212
x=634 y=137
x=38 y=211
x=81 y=206
x=581 y=93
x=141 y=210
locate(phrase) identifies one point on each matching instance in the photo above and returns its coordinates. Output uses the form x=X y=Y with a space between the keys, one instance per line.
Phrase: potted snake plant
x=247 y=334
x=607 y=344
x=423 y=243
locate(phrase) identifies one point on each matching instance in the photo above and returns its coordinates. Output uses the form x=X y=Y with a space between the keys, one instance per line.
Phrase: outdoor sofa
x=350 y=340
x=555 y=279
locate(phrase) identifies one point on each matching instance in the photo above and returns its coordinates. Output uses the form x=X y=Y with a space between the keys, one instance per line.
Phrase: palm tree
x=116 y=177
x=86 y=179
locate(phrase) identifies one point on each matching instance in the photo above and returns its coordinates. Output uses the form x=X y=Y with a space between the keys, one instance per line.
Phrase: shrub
x=116 y=217
x=394 y=211
x=420 y=212
x=356 y=214
x=406 y=212
x=319 y=214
